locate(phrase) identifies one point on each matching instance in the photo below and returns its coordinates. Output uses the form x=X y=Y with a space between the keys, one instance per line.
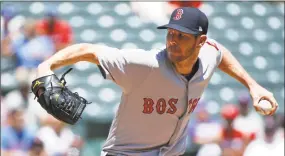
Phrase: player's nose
x=172 y=43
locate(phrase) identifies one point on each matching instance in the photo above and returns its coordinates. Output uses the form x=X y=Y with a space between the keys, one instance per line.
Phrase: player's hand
x=43 y=70
x=259 y=93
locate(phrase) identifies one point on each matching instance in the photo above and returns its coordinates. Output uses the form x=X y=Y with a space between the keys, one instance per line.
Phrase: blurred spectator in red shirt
x=195 y=4
x=232 y=141
x=248 y=121
x=59 y=30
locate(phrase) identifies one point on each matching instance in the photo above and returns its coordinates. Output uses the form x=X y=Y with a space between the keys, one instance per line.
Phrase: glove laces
x=68 y=106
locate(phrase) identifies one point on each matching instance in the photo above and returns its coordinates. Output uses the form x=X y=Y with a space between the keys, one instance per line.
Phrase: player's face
x=179 y=45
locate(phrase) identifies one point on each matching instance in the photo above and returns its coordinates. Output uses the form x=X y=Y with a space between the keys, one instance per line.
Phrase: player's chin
x=175 y=58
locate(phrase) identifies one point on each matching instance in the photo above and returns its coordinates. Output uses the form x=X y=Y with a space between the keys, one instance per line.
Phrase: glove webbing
x=68 y=106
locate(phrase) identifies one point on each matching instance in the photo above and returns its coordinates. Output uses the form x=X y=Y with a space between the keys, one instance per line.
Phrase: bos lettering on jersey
x=149 y=105
x=192 y=103
x=163 y=105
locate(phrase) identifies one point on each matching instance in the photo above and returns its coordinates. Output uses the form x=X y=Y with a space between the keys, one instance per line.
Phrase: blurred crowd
x=26 y=129
x=238 y=131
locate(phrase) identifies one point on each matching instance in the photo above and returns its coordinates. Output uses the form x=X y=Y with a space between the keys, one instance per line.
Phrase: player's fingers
x=275 y=106
x=255 y=103
x=273 y=103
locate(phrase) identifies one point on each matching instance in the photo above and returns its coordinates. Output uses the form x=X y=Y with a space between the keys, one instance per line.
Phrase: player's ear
x=202 y=40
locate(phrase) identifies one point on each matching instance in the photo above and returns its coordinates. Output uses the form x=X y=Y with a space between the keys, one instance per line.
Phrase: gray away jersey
x=156 y=102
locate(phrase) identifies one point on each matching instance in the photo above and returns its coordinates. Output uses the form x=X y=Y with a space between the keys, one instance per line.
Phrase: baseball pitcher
x=161 y=88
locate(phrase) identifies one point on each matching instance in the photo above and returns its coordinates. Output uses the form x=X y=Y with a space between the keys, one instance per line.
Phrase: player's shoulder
x=142 y=56
x=211 y=52
x=210 y=47
x=211 y=44
x=132 y=55
x=138 y=52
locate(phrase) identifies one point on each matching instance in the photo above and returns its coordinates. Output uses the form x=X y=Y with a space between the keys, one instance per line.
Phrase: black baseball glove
x=57 y=99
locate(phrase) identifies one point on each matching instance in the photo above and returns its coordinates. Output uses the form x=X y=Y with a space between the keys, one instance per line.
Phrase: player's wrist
x=252 y=85
x=45 y=65
x=249 y=83
x=44 y=69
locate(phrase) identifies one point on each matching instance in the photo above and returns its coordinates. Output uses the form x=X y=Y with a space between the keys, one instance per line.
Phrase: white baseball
x=265 y=107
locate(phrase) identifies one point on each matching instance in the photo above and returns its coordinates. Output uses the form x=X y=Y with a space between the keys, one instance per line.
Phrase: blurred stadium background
x=253 y=31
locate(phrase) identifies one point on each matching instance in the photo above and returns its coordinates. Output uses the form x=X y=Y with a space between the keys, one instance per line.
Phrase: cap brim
x=179 y=28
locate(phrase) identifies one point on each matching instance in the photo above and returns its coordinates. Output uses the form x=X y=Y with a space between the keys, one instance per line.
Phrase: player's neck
x=185 y=67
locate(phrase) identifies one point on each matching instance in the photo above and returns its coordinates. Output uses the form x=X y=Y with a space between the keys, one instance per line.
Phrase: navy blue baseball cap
x=188 y=20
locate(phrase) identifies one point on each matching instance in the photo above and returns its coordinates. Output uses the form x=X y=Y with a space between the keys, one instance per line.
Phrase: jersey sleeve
x=218 y=53
x=127 y=68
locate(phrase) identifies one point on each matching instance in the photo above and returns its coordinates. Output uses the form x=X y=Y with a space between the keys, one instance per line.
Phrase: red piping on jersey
x=213 y=44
